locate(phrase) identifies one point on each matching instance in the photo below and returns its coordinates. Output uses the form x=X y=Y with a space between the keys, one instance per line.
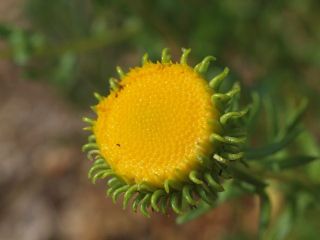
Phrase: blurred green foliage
x=76 y=44
x=271 y=46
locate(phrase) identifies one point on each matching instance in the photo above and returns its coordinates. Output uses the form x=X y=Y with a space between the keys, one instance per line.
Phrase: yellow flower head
x=158 y=135
x=157 y=124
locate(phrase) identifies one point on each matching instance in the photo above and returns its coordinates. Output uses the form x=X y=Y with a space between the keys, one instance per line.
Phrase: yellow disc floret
x=157 y=124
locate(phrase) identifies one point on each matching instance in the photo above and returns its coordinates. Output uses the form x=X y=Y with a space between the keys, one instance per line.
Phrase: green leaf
x=308 y=143
x=244 y=175
x=265 y=213
x=64 y=70
x=296 y=117
x=255 y=154
x=19 y=44
x=288 y=162
x=5 y=31
x=272 y=116
x=282 y=225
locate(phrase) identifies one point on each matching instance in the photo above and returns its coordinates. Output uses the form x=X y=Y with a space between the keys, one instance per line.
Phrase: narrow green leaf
x=288 y=162
x=254 y=154
x=244 y=175
x=265 y=213
x=297 y=115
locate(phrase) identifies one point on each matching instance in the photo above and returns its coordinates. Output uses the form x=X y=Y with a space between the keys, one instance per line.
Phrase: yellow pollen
x=157 y=124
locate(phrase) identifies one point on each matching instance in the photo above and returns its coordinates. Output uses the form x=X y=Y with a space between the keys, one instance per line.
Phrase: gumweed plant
x=167 y=138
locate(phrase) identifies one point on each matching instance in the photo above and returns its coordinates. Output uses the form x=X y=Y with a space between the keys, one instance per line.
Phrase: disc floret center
x=157 y=123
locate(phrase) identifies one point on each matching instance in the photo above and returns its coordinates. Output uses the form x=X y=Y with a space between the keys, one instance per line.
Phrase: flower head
x=164 y=136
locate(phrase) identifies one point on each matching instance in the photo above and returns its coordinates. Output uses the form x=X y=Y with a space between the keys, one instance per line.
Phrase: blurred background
x=54 y=54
